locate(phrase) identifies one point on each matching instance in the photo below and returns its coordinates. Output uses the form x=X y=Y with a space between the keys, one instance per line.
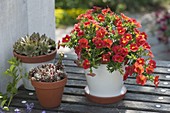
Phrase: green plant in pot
x=49 y=81
x=32 y=51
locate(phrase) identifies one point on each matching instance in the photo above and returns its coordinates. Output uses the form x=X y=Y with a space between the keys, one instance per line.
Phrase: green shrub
x=67 y=16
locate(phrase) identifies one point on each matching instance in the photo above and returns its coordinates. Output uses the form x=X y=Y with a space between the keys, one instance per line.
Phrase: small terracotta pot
x=36 y=59
x=49 y=94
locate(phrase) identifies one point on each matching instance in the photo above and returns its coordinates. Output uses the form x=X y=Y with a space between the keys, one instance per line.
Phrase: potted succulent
x=110 y=48
x=49 y=81
x=32 y=51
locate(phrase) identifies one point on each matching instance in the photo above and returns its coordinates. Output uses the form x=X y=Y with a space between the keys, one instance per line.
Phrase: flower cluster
x=103 y=37
x=163 y=25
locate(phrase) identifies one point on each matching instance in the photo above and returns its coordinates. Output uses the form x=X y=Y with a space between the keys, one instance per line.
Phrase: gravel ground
x=160 y=50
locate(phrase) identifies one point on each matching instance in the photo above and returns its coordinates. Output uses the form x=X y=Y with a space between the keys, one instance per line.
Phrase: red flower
x=99 y=43
x=86 y=64
x=149 y=70
x=156 y=81
x=140 y=40
x=123 y=52
x=118 y=23
x=146 y=46
x=105 y=11
x=88 y=16
x=101 y=17
x=100 y=33
x=140 y=61
x=150 y=54
x=138 y=68
x=66 y=39
x=128 y=36
x=152 y=63
x=116 y=49
x=90 y=11
x=78 y=50
x=123 y=41
x=125 y=76
x=80 y=33
x=83 y=42
x=133 y=21
x=77 y=27
x=108 y=43
x=141 y=79
x=129 y=70
x=133 y=47
x=86 y=23
x=117 y=58
x=144 y=35
x=121 y=30
x=106 y=58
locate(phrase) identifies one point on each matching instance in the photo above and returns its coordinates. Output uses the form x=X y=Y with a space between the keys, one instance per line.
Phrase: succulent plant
x=34 y=45
x=48 y=72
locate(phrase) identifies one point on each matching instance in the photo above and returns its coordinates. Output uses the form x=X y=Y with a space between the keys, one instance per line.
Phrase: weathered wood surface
x=139 y=99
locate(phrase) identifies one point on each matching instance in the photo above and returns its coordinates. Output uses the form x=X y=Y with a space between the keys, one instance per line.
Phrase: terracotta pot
x=49 y=94
x=104 y=86
x=36 y=59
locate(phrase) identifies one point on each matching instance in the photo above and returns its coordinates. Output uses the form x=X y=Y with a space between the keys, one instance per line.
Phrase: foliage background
x=67 y=10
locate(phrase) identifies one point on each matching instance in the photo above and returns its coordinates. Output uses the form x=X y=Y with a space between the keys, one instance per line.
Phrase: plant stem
x=11 y=97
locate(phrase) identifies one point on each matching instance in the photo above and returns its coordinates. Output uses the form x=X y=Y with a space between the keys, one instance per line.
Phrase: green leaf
x=3 y=103
x=5 y=108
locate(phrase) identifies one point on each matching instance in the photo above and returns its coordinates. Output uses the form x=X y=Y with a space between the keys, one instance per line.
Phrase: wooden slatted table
x=139 y=99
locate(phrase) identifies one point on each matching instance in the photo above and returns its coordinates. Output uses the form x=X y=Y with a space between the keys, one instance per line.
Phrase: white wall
x=18 y=18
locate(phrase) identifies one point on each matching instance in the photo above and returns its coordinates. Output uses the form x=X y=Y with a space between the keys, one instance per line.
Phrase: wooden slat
x=165 y=64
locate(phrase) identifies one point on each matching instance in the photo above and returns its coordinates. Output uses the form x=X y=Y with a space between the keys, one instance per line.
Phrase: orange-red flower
x=141 y=79
x=66 y=39
x=101 y=17
x=108 y=43
x=149 y=70
x=86 y=64
x=156 y=81
x=83 y=43
x=128 y=71
x=133 y=47
x=125 y=17
x=117 y=58
x=140 y=61
x=106 y=58
x=138 y=68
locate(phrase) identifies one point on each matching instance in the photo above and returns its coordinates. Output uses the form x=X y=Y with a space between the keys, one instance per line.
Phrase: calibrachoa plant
x=163 y=25
x=103 y=37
